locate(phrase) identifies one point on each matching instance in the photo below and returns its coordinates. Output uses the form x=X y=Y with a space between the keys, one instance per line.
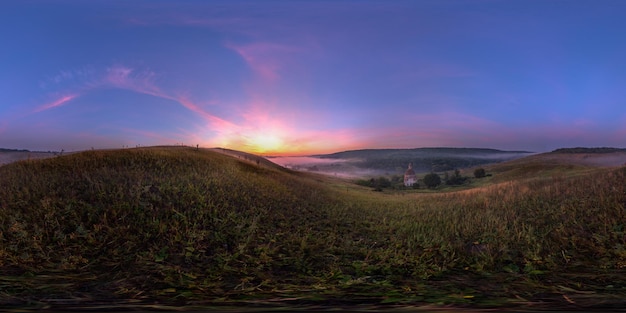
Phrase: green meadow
x=173 y=227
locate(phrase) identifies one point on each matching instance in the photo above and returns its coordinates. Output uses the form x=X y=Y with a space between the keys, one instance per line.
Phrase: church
x=409 y=176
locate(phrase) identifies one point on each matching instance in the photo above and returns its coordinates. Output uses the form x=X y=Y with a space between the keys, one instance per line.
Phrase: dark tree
x=383 y=182
x=395 y=179
x=432 y=180
x=479 y=173
x=455 y=179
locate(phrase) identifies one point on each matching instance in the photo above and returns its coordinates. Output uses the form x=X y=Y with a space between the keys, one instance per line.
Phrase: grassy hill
x=561 y=162
x=175 y=226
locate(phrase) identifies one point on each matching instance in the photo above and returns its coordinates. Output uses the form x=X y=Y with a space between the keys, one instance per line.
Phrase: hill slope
x=185 y=226
x=115 y=223
x=561 y=162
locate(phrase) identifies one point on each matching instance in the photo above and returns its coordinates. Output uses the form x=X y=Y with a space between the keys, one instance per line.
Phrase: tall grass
x=180 y=225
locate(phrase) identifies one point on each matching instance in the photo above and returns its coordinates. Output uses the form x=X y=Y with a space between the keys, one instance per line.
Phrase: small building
x=409 y=176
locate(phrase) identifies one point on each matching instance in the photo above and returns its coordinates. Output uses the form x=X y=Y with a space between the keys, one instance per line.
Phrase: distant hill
x=424 y=159
x=13 y=150
x=589 y=150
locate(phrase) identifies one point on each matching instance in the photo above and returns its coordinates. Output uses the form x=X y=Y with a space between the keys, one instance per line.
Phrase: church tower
x=409 y=176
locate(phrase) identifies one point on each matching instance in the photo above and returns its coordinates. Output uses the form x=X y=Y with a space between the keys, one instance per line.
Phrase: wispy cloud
x=75 y=83
x=216 y=122
x=266 y=59
x=59 y=101
x=62 y=76
x=67 y=77
x=145 y=82
x=126 y=78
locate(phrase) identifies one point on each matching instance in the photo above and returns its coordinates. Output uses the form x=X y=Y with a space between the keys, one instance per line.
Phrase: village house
x=409 y=176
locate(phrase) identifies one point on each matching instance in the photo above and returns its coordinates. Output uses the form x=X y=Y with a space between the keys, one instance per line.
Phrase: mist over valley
x=374 y=162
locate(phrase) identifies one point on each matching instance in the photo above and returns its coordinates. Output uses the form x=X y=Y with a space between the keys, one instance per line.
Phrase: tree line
x=431 y=180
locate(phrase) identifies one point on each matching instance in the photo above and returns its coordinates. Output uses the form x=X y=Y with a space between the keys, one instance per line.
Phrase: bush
x=377 y=183
x=432 y=180
x=365 y=182
x=456 y=179
x=382 y=182
x=479 y=173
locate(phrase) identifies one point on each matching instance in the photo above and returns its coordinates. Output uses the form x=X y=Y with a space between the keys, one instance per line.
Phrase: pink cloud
x=327 y=141
x=57 y=103
x=143 y=82
x=291 y=141
x=216 y=122
x=259 y=128
x=116 y=76
x=262 y=130
x=139 y=81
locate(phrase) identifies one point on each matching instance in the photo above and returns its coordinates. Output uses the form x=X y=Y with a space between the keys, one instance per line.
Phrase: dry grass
x=178 y=226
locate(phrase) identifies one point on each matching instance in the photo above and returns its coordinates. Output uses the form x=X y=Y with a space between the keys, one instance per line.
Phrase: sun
x=266 y=142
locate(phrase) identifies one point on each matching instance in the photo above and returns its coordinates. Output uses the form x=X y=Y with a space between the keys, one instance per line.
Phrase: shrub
x=479 y=173
x=455 y=179
x=432 y=180
x=382 y=182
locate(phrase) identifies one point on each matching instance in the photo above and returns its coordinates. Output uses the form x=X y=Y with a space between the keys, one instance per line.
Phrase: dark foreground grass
x=172 y=227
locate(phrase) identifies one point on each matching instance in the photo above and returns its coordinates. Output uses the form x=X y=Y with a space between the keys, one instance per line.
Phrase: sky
x=307 y=77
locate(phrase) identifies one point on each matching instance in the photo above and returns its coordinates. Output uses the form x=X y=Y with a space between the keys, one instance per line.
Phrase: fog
x=336 y=167
x=373 y=164
x=496 y=157
x=10 y=157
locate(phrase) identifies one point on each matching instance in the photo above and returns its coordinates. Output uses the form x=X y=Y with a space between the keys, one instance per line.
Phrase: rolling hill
x=165 y=227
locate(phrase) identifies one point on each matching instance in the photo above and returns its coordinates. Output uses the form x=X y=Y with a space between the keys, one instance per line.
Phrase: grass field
x=176 y=226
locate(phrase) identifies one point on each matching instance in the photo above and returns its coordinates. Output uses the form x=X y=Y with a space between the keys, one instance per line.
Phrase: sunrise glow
x=319 y=76
x=266 y=142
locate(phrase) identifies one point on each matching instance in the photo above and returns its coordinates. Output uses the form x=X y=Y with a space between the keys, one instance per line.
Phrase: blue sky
x=299 y=77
